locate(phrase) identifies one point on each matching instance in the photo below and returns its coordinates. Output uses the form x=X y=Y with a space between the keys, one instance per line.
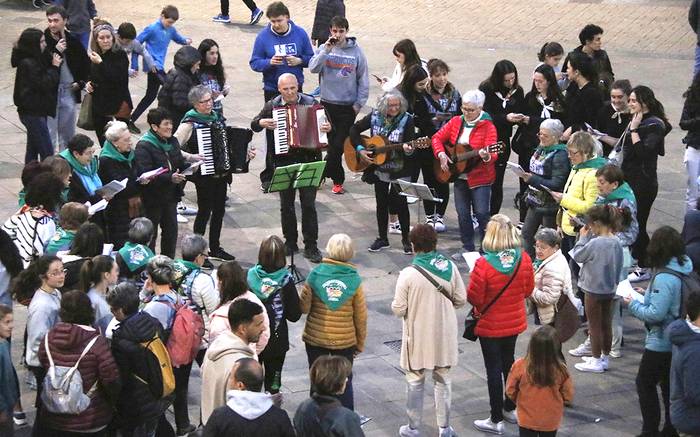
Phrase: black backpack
x=690 y=283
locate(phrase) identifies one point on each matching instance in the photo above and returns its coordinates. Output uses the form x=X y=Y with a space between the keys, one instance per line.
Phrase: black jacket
x=324 y=416
x=36 y=85
x=582 y=106
x=278 y=344
x=602 y=65
x=640 y=159
x=694 y=18
x=178 y=83
x=690 y=121
x=150 y=157
x=117 y=212
x=225 y=422
x=494 y=106
x=606 y=123
x=325 y=11
x=74 y=55
x=691 y=237
x=110 y=78
x=525 y=139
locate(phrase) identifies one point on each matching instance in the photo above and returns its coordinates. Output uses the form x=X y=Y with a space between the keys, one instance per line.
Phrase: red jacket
x=507 y=316
x=483 y=134
x=66 y=342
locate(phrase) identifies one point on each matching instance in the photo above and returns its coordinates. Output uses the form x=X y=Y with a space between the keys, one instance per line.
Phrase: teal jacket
x=8 y=379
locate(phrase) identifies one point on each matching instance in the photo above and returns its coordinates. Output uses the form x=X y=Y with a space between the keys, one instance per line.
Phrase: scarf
x=435 y=263
x=536 y=263
x=545 y=108
x=624 y=191
x=192 y=114
x=591 y=163
x=545 y=150
x=264 y=284
x=334 y=283
x=89 y=170
x=472 y=124
x=618 y=114
x=111 y=152
x=504 y=100
x=157 y=141
x=135 y=256
x=504 y=261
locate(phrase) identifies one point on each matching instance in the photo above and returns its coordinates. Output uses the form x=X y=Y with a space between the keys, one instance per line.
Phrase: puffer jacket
x=325 y=11
x=66 y=342
x=552 y=278
x=555 y=168
x=149 y=157
x=341 y=329
x=580 y=193
x=507 y=316
x=691 y=237
x=178 y=83
x=685 y=391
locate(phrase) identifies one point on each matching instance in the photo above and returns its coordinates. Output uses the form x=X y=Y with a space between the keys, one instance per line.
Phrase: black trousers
x=654 y=370
x=266 y=174
x=272 y=364
x=524 y=162
x=314 y=352
x=524 y=432
x=155 y=80
x=211 y=203
x=645 y=190
x=309 y=218
x=424 y=163
x=39 y=374
x=499 y=354
x=386 y=197
x=497 y=186
x=342 y=118
x=163 y=215
x=249 y=3
x=182 y=383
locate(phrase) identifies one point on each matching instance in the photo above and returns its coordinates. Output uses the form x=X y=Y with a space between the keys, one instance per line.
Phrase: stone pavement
x=649 y=42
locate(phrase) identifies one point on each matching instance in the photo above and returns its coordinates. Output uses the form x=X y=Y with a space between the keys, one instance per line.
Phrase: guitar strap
x=436 y=105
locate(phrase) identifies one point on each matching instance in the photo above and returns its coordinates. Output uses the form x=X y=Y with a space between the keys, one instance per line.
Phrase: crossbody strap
x=432 y=280
x=503 y=290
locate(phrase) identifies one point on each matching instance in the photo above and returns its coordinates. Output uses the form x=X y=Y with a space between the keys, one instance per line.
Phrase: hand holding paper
x=625 y=290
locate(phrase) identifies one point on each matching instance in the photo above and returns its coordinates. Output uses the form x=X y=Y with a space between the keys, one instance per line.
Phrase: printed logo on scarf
x=137 y=255
x=334 y=289
x=268 y=286
x=507 y=258
x=440 y=263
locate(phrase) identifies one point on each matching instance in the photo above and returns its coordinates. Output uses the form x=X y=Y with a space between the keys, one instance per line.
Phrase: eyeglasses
x=204 y=102
x=572 y=152
x=470 y=110
x=542 y=134
x=58 y=273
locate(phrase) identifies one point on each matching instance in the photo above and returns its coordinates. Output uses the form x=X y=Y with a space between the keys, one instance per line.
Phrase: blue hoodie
x=156 y=39
x=662 y=301
x=685 y=391
x=295 y=42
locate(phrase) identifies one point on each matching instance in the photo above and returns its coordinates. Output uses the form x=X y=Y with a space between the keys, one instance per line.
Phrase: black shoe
x=186 y=430
x=407 y=248
x=133 y=128
x=264 y=187
x=291 y=248
x=221 y=254
x=207 y=265
x=378 y=245
x=313 y=254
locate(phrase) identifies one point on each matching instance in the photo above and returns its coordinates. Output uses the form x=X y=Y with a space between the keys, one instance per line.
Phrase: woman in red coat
x=472 y=189
x=498 y=329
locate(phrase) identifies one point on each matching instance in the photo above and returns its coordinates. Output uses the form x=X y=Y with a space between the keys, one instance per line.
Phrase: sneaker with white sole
x=605 y=361
x=430 y=219
x=591 y=365
x=583 y=350
x=615 y=353
x=255 y=16
x=221 y=18
x=439 y=223
x=378 y=245
x=186 y=210
x=395 y=228
x=447 y=431
x=639 y=274
x=19 y=418
x=510 y=416
x=407 y=431
x=182 y=219
x=487 y=425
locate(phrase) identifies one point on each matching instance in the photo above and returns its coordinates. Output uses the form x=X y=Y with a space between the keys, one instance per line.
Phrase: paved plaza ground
x=649 y=42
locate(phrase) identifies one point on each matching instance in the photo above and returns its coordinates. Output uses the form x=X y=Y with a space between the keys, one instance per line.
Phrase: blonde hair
x=340 y=247
x=501 y=234
x=583 y=142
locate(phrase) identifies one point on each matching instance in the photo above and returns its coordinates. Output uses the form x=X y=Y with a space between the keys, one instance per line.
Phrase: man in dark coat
x=178 y=83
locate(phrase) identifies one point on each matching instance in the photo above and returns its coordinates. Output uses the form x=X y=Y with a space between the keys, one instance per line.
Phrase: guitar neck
x=390 y=147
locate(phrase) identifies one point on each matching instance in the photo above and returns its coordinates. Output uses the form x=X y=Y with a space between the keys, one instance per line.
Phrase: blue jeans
x=84 y=38
x=468 y=199
x=696 y=68
x=38 y=140
x=62 y=126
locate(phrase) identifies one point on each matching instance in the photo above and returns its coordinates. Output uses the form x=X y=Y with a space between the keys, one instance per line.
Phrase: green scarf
x=111 y=152
x=135 y=256
x=536 y=263
x=192 y=114
x=264 y=284
x=20 y=197
x=483 y=116
x=89 y=170
x=157 y=141
x=622 y=192
x=334 y=283
x=549 y=149
x=435 y=263
x=591 y=163
x=504 y=261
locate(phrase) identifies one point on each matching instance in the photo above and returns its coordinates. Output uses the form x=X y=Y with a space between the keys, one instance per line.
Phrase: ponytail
x=85 y=276
x=552 y=48
x=24 y=285
x=92 y=270
x=609 y=215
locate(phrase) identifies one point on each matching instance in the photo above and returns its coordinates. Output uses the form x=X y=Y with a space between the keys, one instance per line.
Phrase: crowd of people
x=113 y=329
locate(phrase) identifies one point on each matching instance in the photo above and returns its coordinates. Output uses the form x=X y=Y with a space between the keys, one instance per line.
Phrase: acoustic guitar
x=463 y=158
x=379 y=147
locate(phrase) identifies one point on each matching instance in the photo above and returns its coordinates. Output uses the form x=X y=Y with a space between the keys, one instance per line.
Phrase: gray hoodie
x=343 y=74
x=601 y=260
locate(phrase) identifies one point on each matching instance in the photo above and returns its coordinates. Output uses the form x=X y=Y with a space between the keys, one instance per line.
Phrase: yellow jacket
x=580 y=193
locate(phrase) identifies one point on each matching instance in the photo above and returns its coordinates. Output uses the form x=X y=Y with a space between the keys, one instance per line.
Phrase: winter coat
x=640 y=160
x=553 y=168
x=582 y=105
x=325 y=11
x=178 y=83
x=603 y=68
x=74 y=56
x=691 y=237
x=552 y=278
x=9 y=385
x=36 y=85
x=216 y=369
x=690 y=121
x=150 y=157
x=525 y=139
x=493 y=105
x=343 y=328
x=248 y=414
x=580 y=193
x=66 y=342
x=685 y=391
x=110 y=79
x=219 y=324
x=136 y=404
x=507 y=316
x=117 y=212
x=288 y=297
x=429 y=338
x=662 y=302
x=336 y=421
x=80 y=12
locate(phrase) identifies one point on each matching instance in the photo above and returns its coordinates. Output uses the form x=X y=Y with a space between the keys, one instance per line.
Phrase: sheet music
x=515 y=168
x=320 y=119
x=470 y=258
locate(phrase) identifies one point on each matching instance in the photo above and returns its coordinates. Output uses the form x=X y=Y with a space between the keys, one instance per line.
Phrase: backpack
x=690 y=283
x=159 y=378
x=182 y=283
x=63 y=386
x=186 y=332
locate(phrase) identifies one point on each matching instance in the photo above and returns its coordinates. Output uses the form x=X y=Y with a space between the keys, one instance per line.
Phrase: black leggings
x=497 y=186
x=385 y=195
x=645 y=191
x=424 y=163
x=211 y=202
x=249 y=3
x=654 y=370
x=272 y=365
x=524 y=432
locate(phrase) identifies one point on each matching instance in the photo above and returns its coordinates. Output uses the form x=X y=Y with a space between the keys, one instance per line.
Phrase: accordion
x=212 y=145
x=299 y=126
x=238 y=140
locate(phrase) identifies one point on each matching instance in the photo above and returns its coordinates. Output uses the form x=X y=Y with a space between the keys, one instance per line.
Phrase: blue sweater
x=662 y=301
x=685 y=391
x=295 y=42
x=8 y=379
x=157 y=38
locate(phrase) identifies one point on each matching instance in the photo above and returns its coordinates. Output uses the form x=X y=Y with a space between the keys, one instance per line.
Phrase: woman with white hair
x=117 y=164
x=549 y=167
x=472 y=190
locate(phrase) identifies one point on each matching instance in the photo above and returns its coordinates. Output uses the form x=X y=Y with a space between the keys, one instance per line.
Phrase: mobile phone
x=333 y=40
x=377 y=77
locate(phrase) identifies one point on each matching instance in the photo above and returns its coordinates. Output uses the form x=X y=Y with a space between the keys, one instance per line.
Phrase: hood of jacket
x=228 y=343
x=691 y=227
x=680 y=333
x=67 y=337
x=138 y=328
x=248 y=404
x=186 y=57
x=685 y=269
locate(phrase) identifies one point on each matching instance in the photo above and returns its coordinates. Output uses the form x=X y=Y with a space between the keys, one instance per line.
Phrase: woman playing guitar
x=472 y=190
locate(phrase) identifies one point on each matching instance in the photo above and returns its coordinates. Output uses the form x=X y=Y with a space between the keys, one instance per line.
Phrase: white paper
x=420 y=191
x=99 y=206
x=470 y=258
x=625 y=289
x=152 y=173
x=595 y=132
x=192 y=168
x=515 y=168
x=220 y=97
x=107 y=249
x=112 y=188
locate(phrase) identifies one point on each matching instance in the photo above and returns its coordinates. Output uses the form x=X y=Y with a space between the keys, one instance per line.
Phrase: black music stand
x=304 y=175
x=421 y=191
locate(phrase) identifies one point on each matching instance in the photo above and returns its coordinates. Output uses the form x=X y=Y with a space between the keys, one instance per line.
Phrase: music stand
x=304 y=175
x=421 y=191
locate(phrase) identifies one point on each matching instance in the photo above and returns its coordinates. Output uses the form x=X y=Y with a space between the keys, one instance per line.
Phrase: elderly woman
x=109 y=79
x=117 y=164
x=337 y=313
x=549 y=167
x=472 y=189
x=135 y=254
x=391 y=120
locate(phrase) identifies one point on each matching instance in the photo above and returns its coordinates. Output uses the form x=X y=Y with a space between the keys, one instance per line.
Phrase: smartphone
x=333 y=40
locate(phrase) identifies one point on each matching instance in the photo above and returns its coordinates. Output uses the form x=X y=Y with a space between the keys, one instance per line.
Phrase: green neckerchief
x=504 y=261
x=536 y=263
x=20 y=197
x=550 y=149
x=189 y=265
x=192 y=114
x=90 y=170
x=334 y=283
x=483 y=116
x=157 y=141
x=435 y=263
x=264 y=284
x=622 y=192
x=109 y=151
x=135 y=256
x=591 y=163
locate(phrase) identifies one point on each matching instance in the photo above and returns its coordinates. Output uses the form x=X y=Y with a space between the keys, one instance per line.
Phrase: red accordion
x=299 y=126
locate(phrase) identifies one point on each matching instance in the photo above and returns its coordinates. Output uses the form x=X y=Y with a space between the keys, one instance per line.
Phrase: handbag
x=566 y=318
x=85 y=120
x=472 y=319
x=432 y=280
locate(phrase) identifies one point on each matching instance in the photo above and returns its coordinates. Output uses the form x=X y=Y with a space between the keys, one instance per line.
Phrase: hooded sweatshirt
x=601 y=261
x=249 y=414
x=691 y=237
x=218 y=361
x=178 y=83
x=343 y=74
x=685 y=391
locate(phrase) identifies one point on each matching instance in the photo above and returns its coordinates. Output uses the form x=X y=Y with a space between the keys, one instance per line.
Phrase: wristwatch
x=636 y=129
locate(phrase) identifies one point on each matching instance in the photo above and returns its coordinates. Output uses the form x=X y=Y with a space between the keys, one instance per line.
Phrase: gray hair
x=556 y=127
x=140 y=230
x=161 y=270
x=115 y=129
x=285 y=76
x=197 y=93
x=192 y=246
x=548 y=236
x=583 y=142
x=383 y=102
x=475 y=97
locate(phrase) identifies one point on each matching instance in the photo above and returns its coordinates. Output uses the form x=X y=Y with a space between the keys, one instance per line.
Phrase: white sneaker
x=605 y=361
x=615 y=353
x=395 y=228
x=583 y=350
x=511 y=416
x=407 y=431
x=447 y=432
x=182 y=219
x=439 y=223
x=430 y=219
x=487 y=425
x=639 y=274
x=411 y=199
x=592 y=365
x=186 y=210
